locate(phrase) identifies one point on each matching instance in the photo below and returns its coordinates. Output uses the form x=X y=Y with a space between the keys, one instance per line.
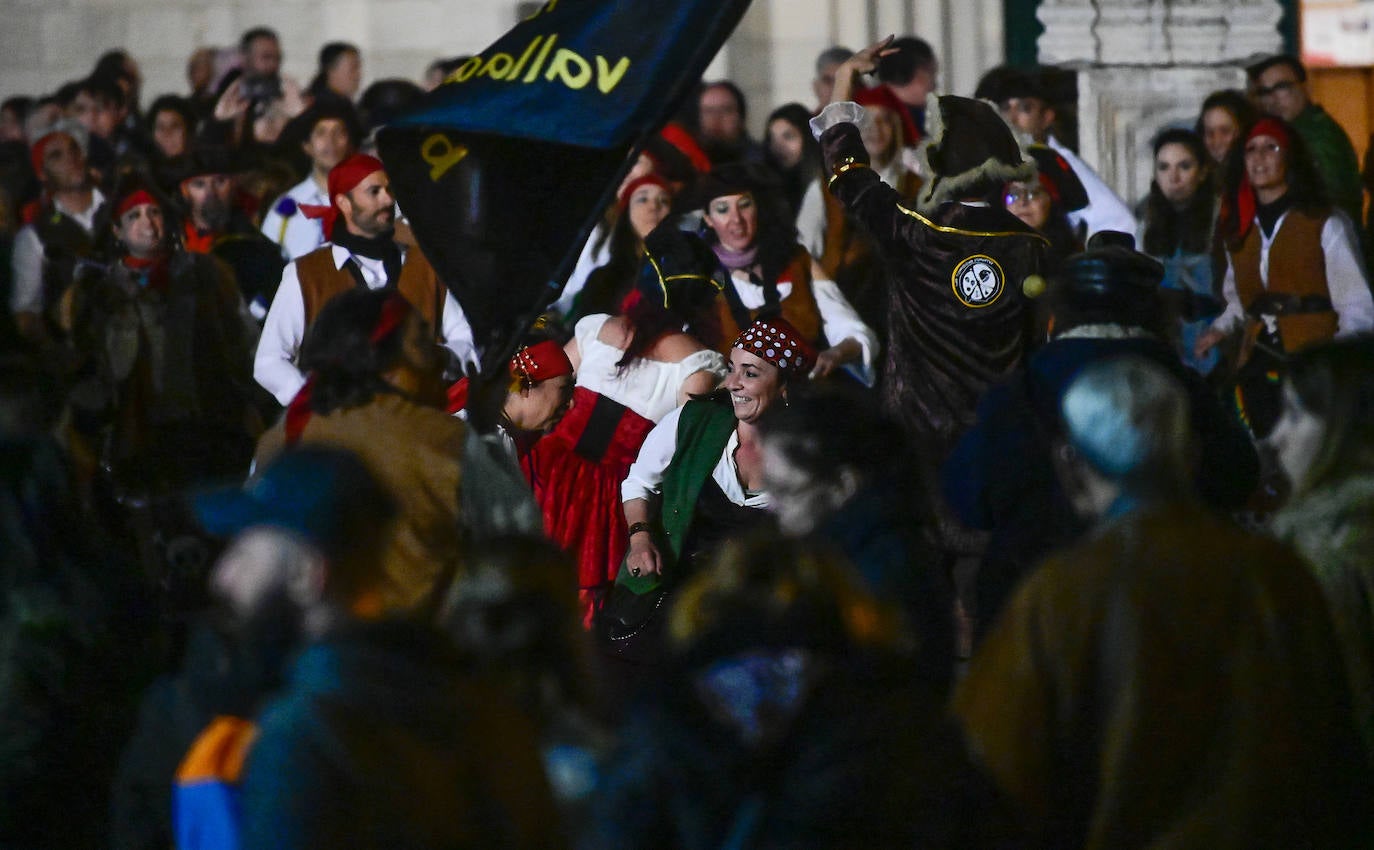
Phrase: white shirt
x=1105 y=209
x=26 y=259
x=646 y=473
x=274 y=366
x=595 y=253
x=838 y=319
x=1345 y=278
x=297 y=234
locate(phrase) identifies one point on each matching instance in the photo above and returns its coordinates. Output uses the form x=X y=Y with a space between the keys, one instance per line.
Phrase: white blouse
x=648 y=387
x=646 y=473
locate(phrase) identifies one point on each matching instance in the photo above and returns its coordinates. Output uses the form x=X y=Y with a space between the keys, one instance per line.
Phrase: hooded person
x=633 y=369
x=363 y=254
x=957 y=318
x=1103 y=303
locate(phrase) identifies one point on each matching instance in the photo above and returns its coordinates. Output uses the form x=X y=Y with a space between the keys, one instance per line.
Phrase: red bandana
x=881 y=95
x=779 y=343
x=623 y=202
x=41 y=147
x=535 y=363
x=343 y=178
x=1246 y=202
x=136 y=199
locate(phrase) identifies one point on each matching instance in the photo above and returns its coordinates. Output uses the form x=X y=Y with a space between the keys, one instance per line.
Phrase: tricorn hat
x=677 y=265
x=1058 y=178
x=1112 y=278
x=970 y=148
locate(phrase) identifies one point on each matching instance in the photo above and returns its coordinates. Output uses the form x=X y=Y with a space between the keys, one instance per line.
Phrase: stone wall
x=1144 y=65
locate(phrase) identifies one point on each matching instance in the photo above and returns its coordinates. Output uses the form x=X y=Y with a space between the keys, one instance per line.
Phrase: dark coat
x=1170 y=682
x=864 y=759
x=379 y=740
x=1000 y=477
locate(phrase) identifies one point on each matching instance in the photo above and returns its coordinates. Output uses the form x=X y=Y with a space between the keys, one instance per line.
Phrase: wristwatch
x=638 y=527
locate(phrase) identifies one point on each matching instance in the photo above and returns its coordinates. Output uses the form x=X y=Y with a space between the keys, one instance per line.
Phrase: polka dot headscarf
x=779 y=343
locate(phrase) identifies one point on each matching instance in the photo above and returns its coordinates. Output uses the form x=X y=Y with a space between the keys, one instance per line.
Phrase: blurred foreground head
x=1128 y=436
x=770 y=592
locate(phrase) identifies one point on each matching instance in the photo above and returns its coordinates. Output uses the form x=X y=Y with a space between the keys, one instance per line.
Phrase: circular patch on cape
x=978 y=281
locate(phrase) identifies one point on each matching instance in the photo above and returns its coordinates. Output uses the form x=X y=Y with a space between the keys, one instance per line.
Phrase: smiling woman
x=702 y=466
x=771 y=275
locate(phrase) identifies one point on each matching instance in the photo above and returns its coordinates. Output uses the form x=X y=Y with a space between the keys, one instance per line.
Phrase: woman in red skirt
x=632 y=370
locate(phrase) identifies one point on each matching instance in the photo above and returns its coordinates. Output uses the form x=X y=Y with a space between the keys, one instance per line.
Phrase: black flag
x=503 y=169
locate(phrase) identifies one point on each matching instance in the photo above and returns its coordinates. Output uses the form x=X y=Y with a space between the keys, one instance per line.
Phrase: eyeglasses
x=1266 y=91
x=1028 y=194
x=1263 y=148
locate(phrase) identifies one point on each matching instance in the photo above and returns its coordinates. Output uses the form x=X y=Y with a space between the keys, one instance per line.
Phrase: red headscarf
x=342 y=180
x=134 y=199
x=881 y=95
x=776 y=341
x=1246 y=202
x=40 y=147
x=623 y=202
x=534 y=363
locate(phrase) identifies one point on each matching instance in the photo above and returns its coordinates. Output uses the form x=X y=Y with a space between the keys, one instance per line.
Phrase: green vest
x=703 y=430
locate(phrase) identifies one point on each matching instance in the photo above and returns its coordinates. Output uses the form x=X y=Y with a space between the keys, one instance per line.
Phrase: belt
x=1277 y=304
x=601 y=424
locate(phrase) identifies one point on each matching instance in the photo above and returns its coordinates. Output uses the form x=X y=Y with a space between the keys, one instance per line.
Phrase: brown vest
x=847 y=243
x=321 y=280
x=799 y=307
x=1297 y=266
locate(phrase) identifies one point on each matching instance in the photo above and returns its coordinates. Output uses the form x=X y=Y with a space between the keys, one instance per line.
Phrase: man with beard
x=364 y=255
x=721 y=128
x=213 y=225
x=377 y=738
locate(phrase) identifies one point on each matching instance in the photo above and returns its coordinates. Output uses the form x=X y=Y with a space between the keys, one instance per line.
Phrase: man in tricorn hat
x=957 y=318
x=363 y=253
x=1104 y=303
x=211 y=224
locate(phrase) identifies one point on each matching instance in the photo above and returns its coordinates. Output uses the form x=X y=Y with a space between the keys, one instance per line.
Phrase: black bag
x=631 y=621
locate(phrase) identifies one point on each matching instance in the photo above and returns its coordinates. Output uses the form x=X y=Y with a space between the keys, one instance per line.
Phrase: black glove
x=843 y=148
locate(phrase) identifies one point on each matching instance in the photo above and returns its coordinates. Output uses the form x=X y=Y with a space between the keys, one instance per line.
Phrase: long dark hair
x=777 y=232
x=608 y=285
x=797 y=178
x=339 y=352
x=1169 y=229
x=691 y=310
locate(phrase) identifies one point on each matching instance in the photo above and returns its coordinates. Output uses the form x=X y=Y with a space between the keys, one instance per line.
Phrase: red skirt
x=575 y=472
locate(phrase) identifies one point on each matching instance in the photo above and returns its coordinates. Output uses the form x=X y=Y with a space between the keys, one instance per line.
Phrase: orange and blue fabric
x=207 y=810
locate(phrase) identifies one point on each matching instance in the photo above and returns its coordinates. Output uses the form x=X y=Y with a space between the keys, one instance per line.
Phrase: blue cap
x=327 y=496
